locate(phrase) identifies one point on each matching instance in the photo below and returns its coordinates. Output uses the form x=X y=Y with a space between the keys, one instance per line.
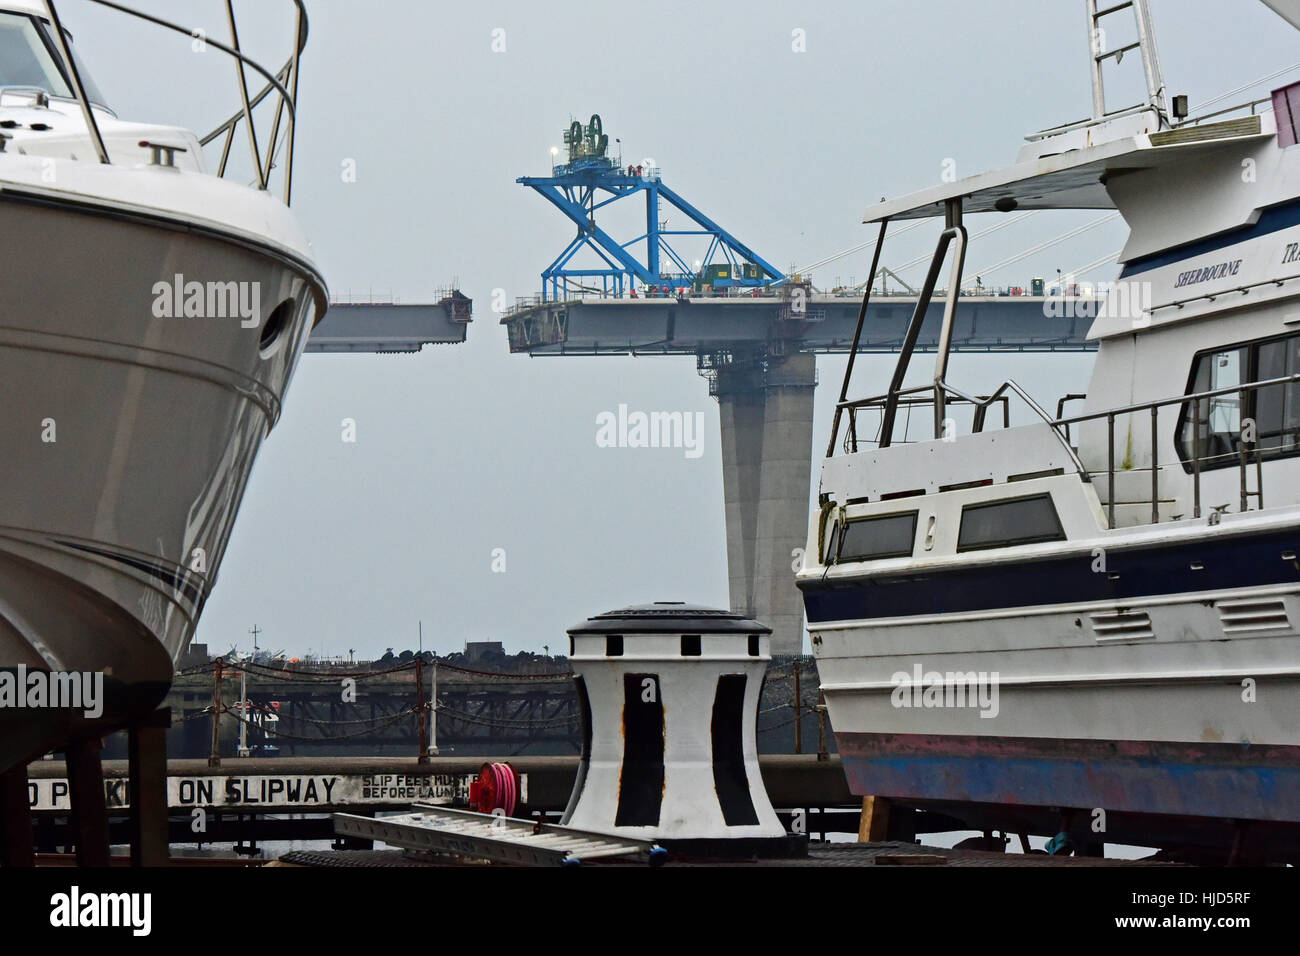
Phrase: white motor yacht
x=1087 y=625
x=153 y=306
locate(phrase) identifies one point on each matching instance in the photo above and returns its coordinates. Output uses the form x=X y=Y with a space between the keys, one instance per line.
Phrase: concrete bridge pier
x=766 y=408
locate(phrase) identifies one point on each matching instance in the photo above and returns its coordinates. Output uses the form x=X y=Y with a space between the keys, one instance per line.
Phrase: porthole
x=277 y=323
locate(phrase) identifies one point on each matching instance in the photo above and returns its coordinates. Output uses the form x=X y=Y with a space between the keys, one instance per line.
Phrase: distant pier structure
x=754 y=333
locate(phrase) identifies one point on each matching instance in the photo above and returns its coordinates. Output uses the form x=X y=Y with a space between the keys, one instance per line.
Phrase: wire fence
x=429 y=708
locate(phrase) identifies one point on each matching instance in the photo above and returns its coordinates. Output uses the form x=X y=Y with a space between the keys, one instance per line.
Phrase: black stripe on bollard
x=729 y=778
x=584 y=761
x=641 y=782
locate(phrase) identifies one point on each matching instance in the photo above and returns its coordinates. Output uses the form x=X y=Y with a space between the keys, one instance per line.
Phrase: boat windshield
x=28 y=58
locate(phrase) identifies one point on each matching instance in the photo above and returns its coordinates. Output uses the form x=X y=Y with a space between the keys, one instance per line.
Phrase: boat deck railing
x=1251 y=108
x=1194 y=407
x=280 y=87
x=938 y=395
x=910 y=400
x=1249 y=452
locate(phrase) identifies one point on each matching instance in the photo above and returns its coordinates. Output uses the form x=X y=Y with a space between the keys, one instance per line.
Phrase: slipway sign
x=299 y=792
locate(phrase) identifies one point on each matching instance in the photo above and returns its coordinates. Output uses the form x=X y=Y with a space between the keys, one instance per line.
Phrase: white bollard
x=670 y=697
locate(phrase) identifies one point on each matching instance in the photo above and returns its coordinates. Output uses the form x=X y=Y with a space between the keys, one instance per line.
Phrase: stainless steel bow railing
x=283 y=83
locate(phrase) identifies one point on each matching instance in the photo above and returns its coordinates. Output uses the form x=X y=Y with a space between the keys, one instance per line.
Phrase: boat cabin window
x=1275 y=411
x=1000 y=524
x=830 y=538
x=886 y=536
x=29 y=58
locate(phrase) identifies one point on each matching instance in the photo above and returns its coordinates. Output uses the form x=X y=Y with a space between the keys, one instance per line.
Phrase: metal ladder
x=1145 y=44
x=500 y=839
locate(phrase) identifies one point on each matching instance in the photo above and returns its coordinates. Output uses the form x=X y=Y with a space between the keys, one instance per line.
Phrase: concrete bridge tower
x=766 y=407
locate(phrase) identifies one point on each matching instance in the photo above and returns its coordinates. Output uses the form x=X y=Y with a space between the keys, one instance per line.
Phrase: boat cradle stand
x=147 y=759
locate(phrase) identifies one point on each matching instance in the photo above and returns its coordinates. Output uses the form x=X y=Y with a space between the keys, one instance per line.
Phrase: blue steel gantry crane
x=578 y=187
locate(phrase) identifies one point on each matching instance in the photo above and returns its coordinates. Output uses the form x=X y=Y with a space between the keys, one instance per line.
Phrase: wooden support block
x=874 y=825
x=17 y=847
x=86 y=790
x=147 y=755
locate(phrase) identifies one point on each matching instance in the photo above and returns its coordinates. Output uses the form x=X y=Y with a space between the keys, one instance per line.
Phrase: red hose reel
x=497 y=788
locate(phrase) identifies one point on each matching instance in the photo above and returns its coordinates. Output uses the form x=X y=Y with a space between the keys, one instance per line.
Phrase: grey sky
x=465 y=449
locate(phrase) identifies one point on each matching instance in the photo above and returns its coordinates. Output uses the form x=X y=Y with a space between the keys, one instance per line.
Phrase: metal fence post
x=433 y=712
x=419 y=710
x=214 y=758
x=798 y=712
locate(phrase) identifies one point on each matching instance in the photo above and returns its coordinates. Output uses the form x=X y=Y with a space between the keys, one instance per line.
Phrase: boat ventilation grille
x=1241 y=126
x=1122 y=625
x=1253 y=615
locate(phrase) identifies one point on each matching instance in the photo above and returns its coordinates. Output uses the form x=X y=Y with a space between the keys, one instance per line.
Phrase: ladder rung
x=455 y=827
x=1117 y=52
x=554 y=839
x=1109 y=10
x=541 y=839
x=587 y=846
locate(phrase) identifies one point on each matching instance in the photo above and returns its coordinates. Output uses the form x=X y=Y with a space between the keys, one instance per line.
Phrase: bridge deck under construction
x=823 y=323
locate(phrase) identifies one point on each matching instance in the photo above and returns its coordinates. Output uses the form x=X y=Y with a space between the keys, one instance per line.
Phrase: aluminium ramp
x=487 y=836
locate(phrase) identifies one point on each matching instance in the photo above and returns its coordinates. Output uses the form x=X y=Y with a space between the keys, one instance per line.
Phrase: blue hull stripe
x=1136 y=786
x=1270 y=220
x=1248 y=782
x=1237 y=561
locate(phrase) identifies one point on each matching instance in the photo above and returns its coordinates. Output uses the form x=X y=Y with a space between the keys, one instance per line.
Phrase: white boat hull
x=128 y=437
x=1176 y=695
